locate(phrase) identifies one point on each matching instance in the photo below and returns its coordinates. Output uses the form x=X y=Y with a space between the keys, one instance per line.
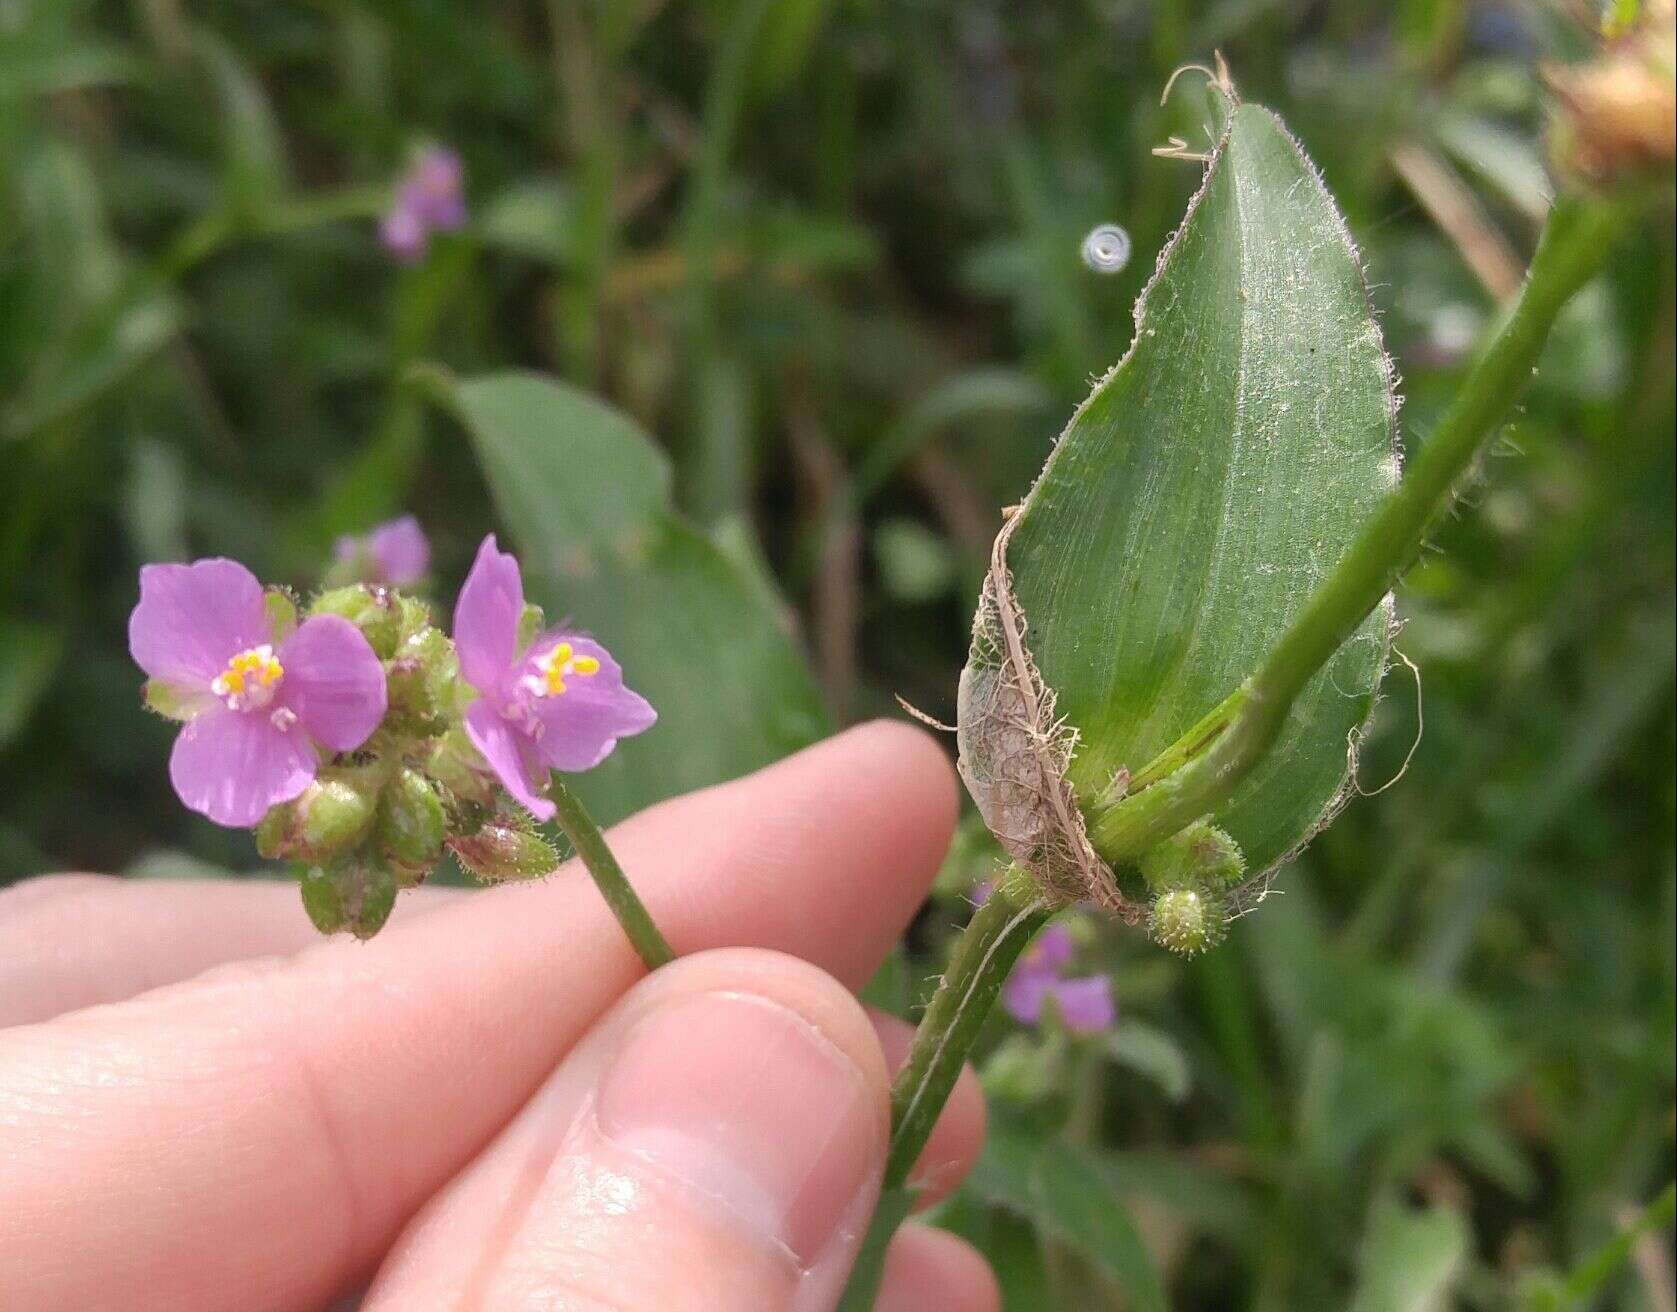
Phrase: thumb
x=715 y=1142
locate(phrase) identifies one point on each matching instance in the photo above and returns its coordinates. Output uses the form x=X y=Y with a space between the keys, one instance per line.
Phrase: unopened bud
x=376 y=611
x=1199 y=856
x=411 y=826
x=331 y=816
x=356 y=895
x=1186 y=921
x=455 y=764
x=499 y=851
x=423 y=681
x=531 y=621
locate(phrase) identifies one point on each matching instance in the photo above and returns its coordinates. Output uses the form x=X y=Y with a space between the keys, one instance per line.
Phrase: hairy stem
x=614 y=886
x=1575 y=244
x=988 y=947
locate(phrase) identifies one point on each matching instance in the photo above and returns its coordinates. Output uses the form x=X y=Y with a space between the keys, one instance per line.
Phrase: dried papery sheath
x=1198 y=497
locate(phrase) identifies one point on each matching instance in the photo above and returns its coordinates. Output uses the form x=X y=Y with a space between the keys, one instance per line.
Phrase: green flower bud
x=356 y=895
x=331 y=816
x=377 y=612
x=281 y=609
x=500 y=851
x=1200 y=856
x=423 y=682
x=411 y=826
x=1023 y=1069
x=530 y=622
x=1187 y=921
x=455 y=764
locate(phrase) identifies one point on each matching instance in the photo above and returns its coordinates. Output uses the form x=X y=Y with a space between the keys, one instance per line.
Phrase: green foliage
x=1209 y=483
x=856 y=341
x=585 y=494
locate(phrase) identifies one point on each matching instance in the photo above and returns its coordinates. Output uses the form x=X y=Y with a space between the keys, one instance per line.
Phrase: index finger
x=256 y=1136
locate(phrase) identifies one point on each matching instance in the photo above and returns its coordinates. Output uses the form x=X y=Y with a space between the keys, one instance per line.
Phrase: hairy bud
x=1187 y=921
x=501 y=851
x=1200 y=856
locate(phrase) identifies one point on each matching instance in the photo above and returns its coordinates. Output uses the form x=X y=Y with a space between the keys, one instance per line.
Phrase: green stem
x=614 y=886
x=988 y=947
x=1575 y=244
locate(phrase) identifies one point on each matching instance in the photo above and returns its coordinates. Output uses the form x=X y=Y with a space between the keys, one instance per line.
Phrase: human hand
x=202 y=1106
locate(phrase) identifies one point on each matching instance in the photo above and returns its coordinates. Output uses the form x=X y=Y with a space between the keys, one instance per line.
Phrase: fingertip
x=931 y=1270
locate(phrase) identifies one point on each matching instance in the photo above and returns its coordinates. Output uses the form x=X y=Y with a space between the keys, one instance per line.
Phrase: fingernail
x=745 y=1102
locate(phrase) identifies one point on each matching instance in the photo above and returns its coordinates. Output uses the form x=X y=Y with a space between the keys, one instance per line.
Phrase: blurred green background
x=827 y=252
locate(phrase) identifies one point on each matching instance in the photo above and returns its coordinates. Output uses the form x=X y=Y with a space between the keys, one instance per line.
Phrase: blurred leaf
x=953 y=401
x=534 y=219
x=28 y=660
x=915 y=564
x=783 y=46
x=1149 y=1051
x=254 y=172
x=1054 y=1185
x=585 y=496
x=155 y=504
x=1412 y=1258
x=1209 y=483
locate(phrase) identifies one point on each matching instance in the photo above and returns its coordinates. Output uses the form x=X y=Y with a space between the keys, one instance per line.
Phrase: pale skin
x=491 y=1105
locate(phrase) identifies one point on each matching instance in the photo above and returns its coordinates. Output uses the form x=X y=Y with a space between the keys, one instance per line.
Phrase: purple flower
x=394 y=553
x=1084 y=1003
x=428 y=199
x=559 y=704
x=258 y=706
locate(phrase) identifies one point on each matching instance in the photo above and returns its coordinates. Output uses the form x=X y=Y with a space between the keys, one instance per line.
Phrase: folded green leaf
x=1207 y=485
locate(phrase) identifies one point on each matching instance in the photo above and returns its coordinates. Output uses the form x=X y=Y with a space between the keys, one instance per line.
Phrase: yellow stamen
x=557 y=665
x=249 y=678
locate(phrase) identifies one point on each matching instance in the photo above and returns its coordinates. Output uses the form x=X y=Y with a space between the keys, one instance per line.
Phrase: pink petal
x=333 y=681
x=233 y=765
x=1023 y=994
x=1085 y=1004
x=403 y=233
x=582 y=725
x=486 y=619
x=508 y=753
x=1052 y=949
x=399 y=551
x=191 y=619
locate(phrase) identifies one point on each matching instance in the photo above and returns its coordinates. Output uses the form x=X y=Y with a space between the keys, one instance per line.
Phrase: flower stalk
x=590 y=844
x=1574 y=246
x=995 y=936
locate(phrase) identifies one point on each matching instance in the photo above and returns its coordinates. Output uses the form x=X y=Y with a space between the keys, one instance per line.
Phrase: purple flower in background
x=394 y=553
x=428 y=199
x=258 y=706
x=559 y=704
x=1084 y=1002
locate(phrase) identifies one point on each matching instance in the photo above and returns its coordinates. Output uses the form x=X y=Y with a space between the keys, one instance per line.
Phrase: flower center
x=248 y=682
x=548 y=678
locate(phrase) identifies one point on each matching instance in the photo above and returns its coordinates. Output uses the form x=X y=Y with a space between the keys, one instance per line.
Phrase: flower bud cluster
x=360 y=741
x=1189 y=874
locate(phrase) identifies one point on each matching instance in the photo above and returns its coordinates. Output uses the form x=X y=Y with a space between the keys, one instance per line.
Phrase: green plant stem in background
x=988 y=947
x=1574 y=247
x=614 y=886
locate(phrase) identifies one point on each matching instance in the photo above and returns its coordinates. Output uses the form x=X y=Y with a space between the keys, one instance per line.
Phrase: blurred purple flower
x=394 y=553
x=559 y=704
x=1084 y=1003
x=257 y=714
x=429 y=198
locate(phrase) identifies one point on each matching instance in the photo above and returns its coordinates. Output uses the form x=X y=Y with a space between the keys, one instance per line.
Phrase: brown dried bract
x=1014 y=753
